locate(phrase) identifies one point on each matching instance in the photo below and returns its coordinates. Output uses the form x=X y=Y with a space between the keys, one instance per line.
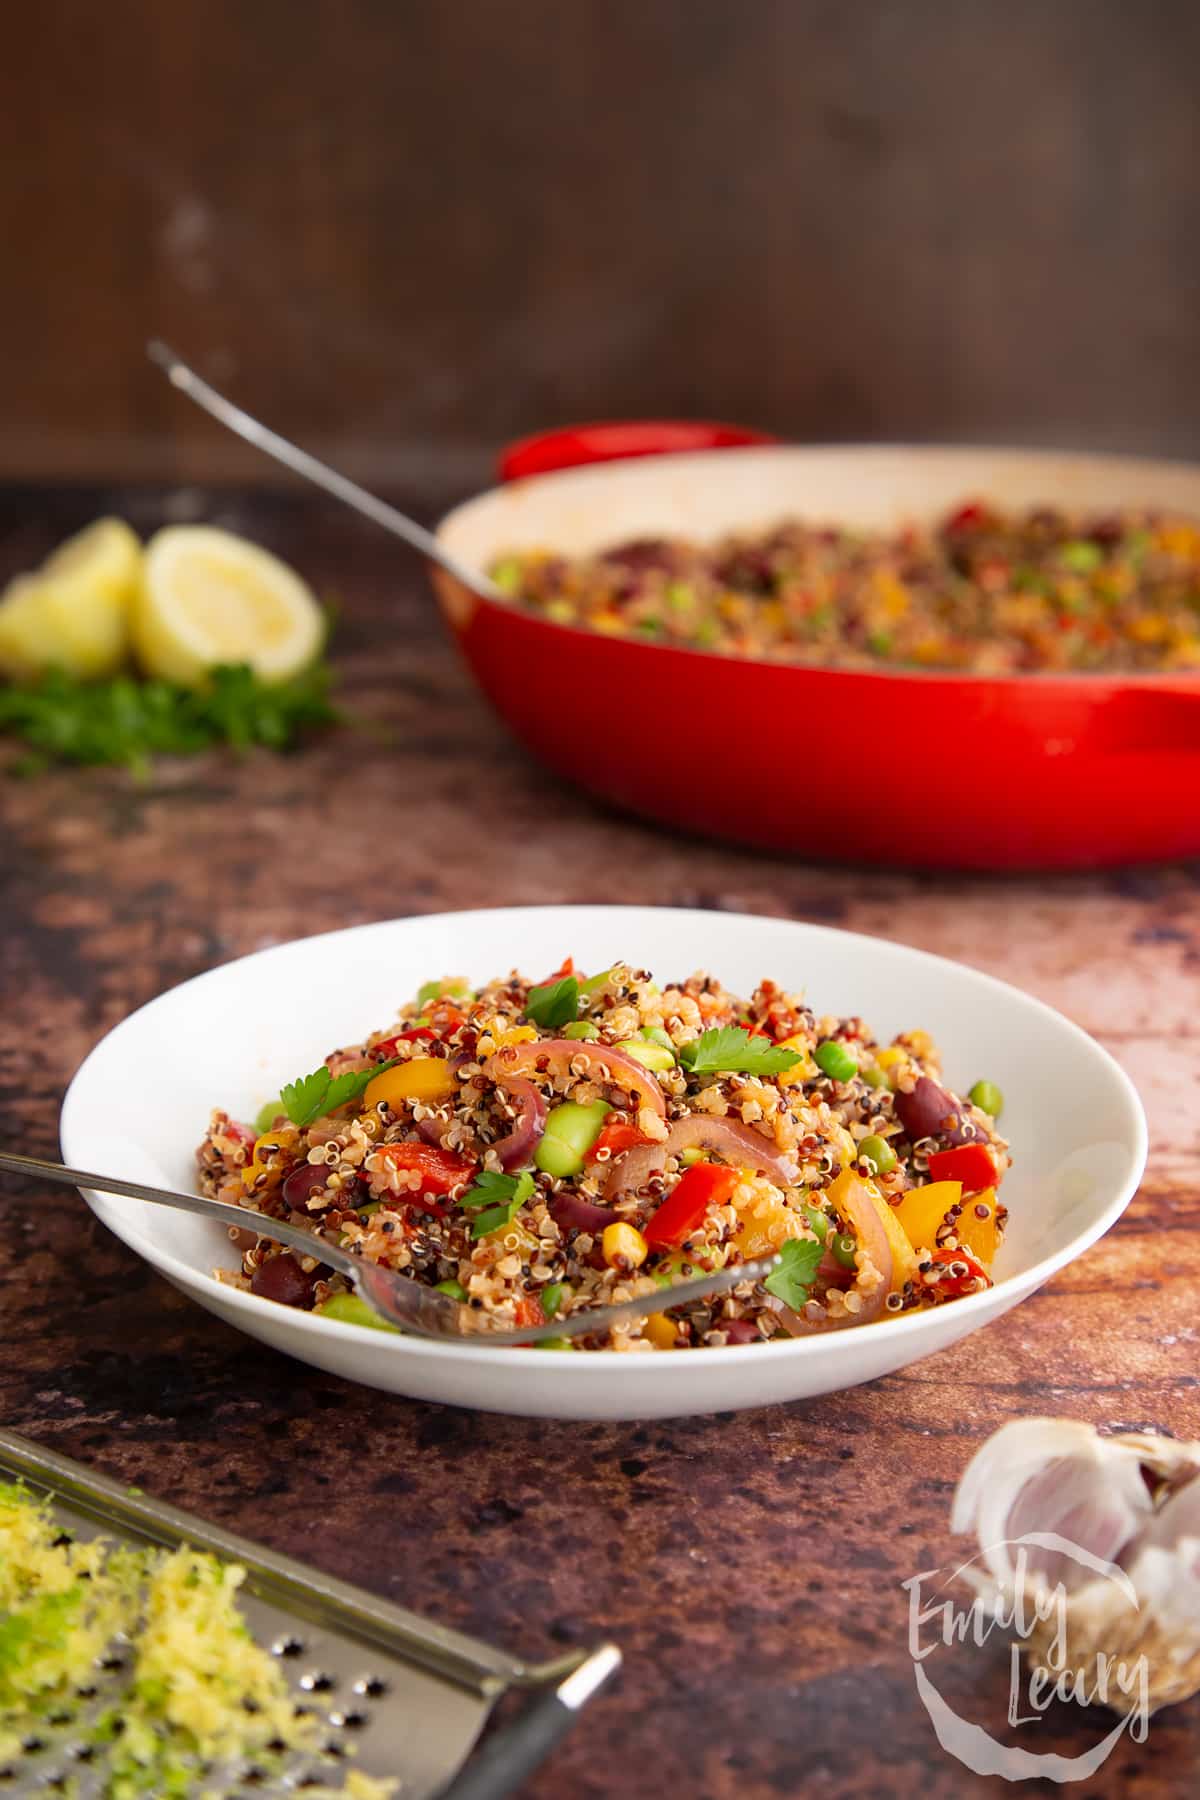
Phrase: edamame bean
x=570 y=1132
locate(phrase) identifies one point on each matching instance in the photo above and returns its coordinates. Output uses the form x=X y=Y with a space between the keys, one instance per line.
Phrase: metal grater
x=401 y=1697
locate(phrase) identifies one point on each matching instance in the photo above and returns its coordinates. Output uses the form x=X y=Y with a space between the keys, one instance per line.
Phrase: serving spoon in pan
x=397 y=1297
x=185 y=378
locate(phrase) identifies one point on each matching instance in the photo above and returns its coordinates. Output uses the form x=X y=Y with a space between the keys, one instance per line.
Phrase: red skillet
x=920 y=769
x=929 y=770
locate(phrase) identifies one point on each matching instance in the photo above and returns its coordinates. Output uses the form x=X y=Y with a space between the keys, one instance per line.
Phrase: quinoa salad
x=991 y=592
x=534 y=1149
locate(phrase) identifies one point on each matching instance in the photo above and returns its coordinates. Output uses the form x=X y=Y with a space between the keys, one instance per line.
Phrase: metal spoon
x=396 y=1297
x=292 y=457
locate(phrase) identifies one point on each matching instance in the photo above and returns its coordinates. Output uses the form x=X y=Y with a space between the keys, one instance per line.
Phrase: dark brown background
x=407 y=229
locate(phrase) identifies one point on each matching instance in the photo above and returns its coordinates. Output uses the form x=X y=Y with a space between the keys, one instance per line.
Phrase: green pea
x=835 y=1060
x=879 y=1153
x=651 y=1056
x=455 y=1289
x=552 y=1297
x=1080 y=556
x=818 y=1222
x=352 y=1309
x=874 y=1077
x=506 y=575
x=264 y=1119
x=554 y=1344
x=582 y=1029
x=844 y=1248
x=987 y=1097
x=570 y=1132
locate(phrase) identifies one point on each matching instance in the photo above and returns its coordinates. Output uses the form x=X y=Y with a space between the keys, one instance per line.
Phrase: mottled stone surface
x=749 y=1565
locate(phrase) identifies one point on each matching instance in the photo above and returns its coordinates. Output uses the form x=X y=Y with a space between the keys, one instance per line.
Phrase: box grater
x=401 y=1697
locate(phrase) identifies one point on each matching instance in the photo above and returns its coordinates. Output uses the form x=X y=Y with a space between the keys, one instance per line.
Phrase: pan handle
x=1159 y=715
x=571 y=446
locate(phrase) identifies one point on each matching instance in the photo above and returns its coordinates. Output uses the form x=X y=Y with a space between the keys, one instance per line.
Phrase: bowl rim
x=610 y=469
x=908 y=1325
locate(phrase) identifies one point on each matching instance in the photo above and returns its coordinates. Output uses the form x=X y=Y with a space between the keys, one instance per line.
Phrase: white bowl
x=139 y=1105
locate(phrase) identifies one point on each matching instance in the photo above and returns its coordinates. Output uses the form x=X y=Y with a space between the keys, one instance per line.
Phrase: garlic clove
x=1056 y=1478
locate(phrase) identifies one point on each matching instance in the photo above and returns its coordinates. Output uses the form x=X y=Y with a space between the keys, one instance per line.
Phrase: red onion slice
x=572 y=1210
x=518 y=1146
x=739 y=1144
x=624 y=1071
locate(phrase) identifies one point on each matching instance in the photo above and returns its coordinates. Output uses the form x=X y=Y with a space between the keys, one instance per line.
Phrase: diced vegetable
x=553 y=1295
x=617 y=1138
x=836 y=1060
x=976 y=1226
x=267 y=1115
x=973 y=1271
x=426 y=1078
x=440 y=1170
x=438 y=990
x=705 y=1185
x=923 y=1209
x=971 y=1164
x=571 y=1130
x=582 y=1029
x=455 y=1289
x=879 y=1153
x=352 y=1309
x=651 y=1056
x=846 y=1192
x=623 y=1245
x=661 y=1331
x=987 y=1097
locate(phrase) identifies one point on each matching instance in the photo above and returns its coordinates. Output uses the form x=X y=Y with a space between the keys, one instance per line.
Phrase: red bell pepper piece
x=388 y=1046
x=440 y=1170
x=959 y=1284
x=972 y=1164
x=704 y=1185
x=618 y=1137
x=528 y=1311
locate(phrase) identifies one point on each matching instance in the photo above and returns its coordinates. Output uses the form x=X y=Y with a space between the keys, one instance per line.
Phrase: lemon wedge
x=73 y=613
x=210 y=597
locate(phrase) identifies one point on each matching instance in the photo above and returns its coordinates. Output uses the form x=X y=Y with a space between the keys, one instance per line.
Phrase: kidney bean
x=303 y=1184
x=929 y=1111
x=739 y=1331
x=283 y=1279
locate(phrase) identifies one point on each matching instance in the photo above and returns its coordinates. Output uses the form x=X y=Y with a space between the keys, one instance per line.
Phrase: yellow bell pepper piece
x=923 y=1208
x=661 y=1331
x=980 y=1235
x=427 y=1078
x=904 y=1261
x=272 y=1156
x=804 y=1070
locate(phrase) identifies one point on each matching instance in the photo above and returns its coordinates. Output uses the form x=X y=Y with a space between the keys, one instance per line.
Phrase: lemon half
x=73 y=613
x=209 y=597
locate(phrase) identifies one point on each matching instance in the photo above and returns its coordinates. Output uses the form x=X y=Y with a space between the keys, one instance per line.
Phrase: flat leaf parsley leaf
x=312 y=1096
x=495 y=1200
x=555 y=1003
x=731 y=1050
x=792 y=1281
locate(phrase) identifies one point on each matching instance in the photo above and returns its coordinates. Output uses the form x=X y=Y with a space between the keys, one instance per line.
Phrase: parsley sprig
x=495 y=1200
x=130 y=722
x=731 y=1050
x=554 y=1003
x=310 y=1097
x=792 y=1281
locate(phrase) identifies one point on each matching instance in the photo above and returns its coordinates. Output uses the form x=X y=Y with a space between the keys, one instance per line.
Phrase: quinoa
x=715 y=1129
x=987 y=591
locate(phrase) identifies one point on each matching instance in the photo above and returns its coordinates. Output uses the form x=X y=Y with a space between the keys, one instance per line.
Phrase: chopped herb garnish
x=312 y=1096
x=792 y=1281
x=123 y=720
x=730 y=1050
x=495 y=1200
x=554 y=1003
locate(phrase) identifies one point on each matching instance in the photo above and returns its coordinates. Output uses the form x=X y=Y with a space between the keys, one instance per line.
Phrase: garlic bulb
x=1100 y=1537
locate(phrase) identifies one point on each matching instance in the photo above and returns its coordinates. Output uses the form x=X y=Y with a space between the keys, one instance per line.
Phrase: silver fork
x=396 y=1297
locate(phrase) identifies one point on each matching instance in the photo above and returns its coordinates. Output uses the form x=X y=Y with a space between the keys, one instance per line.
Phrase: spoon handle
x=295 y=1236
x=185 y=378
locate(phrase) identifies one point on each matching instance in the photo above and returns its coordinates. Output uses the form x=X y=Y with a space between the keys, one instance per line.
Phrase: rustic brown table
x=749 y=1565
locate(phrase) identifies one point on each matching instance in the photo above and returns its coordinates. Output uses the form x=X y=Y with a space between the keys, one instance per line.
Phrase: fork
x=394 y=1296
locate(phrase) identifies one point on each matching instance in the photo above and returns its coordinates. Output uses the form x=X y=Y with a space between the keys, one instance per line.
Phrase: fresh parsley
x=130 y=722
x=731 y=1050
x=312 y=1096
x=495 y=1200
x=792 y=1281
x=553 y=1004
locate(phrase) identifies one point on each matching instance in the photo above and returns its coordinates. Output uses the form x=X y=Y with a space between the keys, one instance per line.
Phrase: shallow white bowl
x=139 y=1104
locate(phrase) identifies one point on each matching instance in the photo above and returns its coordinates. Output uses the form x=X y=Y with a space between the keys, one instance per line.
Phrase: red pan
x=924 y=769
